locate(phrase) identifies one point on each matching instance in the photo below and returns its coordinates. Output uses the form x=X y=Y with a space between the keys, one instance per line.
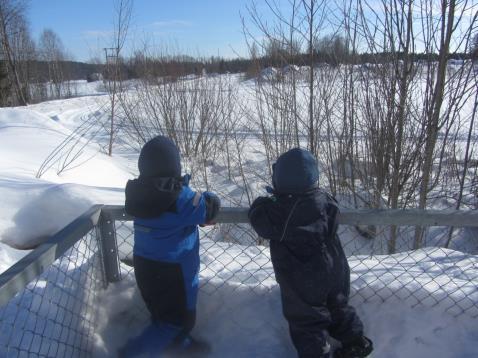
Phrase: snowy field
x=43 y=189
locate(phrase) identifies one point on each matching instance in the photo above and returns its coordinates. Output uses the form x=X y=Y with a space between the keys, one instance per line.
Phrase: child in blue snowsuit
x=310 y=266
x=166 y=249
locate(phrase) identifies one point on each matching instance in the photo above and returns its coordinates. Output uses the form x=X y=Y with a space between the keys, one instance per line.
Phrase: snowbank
x=34 y=208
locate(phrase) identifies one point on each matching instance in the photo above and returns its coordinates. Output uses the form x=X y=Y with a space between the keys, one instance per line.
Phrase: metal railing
x=49 y=299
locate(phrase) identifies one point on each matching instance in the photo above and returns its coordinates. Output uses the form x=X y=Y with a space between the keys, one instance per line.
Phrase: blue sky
x=197 y=27
x=194 y=27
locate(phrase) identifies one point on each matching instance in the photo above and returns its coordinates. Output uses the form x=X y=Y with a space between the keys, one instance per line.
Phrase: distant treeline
x=185 y=65
x=40 y=70
x=37 y=71
x=140 y=67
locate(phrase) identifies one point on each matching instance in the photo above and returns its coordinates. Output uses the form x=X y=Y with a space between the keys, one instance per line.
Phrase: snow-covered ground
x=239 y=319
x=244 y=320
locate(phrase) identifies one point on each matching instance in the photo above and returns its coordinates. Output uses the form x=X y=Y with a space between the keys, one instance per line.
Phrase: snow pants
x=171 y=299
x=163 y=288
x=315 y=285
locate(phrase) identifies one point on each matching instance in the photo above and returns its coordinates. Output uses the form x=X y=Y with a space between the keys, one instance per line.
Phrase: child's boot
x=358 y=348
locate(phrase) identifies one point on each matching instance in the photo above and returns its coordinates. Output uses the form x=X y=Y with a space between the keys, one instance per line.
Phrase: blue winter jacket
x=174 y=237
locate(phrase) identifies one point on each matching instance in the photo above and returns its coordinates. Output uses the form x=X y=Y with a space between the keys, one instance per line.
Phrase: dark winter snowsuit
x=166 y=245
x=308 y=259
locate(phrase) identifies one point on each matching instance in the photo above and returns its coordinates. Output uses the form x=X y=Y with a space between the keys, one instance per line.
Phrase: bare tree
x=474 y=49
x=315 y=11
x=123 y=9
x=333 y=48
x=12 y=29
x=392 y=154
x=187 y=111
x=452 y=13
x=51 y=51
x=286 y=116
x=386 y=102
x=70 y=153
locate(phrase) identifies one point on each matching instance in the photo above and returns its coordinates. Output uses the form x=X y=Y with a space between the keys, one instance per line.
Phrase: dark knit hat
x=295 y=172
x=159 y=158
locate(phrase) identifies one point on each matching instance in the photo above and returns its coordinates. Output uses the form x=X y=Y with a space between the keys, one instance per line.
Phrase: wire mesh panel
x=442 y=272
x=124 y=236
x=54 y=315
x=233 y=254
x=384 y=264
x=229 y=253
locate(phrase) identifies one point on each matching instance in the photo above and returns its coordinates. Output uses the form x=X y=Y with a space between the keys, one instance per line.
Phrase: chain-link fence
x=54 y=315
x=49 y=300
x=442 y=272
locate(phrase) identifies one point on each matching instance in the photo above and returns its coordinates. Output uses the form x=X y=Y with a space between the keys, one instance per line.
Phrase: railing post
x=109 y=247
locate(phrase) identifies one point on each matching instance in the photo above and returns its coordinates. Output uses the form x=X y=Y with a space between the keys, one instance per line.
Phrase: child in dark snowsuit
x=166 y=249
x=300 y=220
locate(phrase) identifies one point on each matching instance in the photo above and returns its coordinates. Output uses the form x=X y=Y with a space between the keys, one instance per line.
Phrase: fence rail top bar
x=36 y=262
x=410 y=217
x=405 y=217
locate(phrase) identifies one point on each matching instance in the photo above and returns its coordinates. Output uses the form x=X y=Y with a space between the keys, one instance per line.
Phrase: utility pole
x=112 y=74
